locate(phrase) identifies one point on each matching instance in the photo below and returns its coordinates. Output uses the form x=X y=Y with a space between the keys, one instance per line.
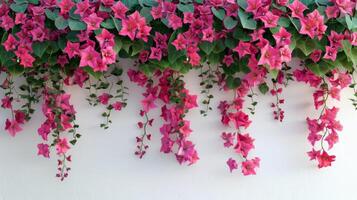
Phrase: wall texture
x=104 y=166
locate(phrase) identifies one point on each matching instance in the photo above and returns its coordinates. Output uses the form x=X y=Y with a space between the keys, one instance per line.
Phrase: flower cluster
x=240 y=46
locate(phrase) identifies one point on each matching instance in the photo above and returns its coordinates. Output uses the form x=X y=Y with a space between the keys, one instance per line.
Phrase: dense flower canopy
x=242 y=46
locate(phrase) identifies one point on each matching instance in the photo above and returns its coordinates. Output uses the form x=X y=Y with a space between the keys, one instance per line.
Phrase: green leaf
x=307 y=2
x=220 y=13
x=15 y=69
x=186 y=8
x=246 y=20
x=351 y=52
x=306 y=45
x=61 y=23
x=33 y=1
x=351 y=21
x=263 y=88
x=108 y=24
x=117 y=24
x=51 y=15
x=130 y=3
x=242 y=3
x=146 y=12
x=137 y=46
x=39 y=48
x=284 y=22
x=90 y=71
x=118 y=44
x=206 y=47
x=230 y=23
x=233 y=83
x=76 y=25
x=19 y=7
x=274 y=73
x=173 y=54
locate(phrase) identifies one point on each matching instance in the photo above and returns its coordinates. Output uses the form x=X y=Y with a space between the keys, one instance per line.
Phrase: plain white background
x=104 y=166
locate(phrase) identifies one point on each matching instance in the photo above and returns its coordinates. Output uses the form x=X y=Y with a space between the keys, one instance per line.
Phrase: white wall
x=104 y=166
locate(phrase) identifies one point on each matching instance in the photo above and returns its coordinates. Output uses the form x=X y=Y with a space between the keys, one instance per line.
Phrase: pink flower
x=44 y=130
x=325 y=160
x=331 y=53
x=270 y=20
x=104 y=98
x=313 y=154
x=156 y=53
x=244 y=144
x=148 y=103
x=248 y=166
x=332 y=12
x=43 y=149
x=285 y=54
x=105 y=39
x=316 y=55
x=65 y=6
x=82 y=8
x=228 y=139
x=185 y=129
x=282 y=37
x=89 y=57
x=346 y=6
x=137 y=77
x=332 y=139
x=270 y=56
x=243 y=48
x=239 y=119
x=6 y=102
x=93 y=22
x=228 y=60
x=12 y=127
x=232 y=164
x=108 y=55
x=297 y=8
x=253 y=6
x=180 y=42
x=208 y=35
x=62 y=146
x=175 y=22
x=72 y=49
x=11 y=43
x=135 y=26
x=117 y=105
x=119 y=10
x=26 y=60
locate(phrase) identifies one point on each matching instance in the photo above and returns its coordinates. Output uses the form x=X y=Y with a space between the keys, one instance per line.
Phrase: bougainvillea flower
x=72 y=49
x=316 y=55
x=89 y=57
x=271 y=57
x=228 y=139
x=105 y=39
x=43 y=150
x=119 y=10
x=282 y=37
x=325 y=160
x=249 y=166
x=232 y=164
x=331 y=53
x=243 y=49
x=175 y=22
x=297 y=9
x=156 y=53
x=12 y=127
x=135 y=25
x=93 y=21
x=82 y=8
x=253 y=6
x=239 y=119
x=65 y=6
x=148 y=103
x=108 y=55
x=104 y=98
x=180 y=42
x=11 y=43
x=27 y=60
x=62 y=146
x=270 y=20
x=244 y=144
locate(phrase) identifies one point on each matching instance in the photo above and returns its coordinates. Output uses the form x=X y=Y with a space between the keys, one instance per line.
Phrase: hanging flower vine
x=239 y=46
